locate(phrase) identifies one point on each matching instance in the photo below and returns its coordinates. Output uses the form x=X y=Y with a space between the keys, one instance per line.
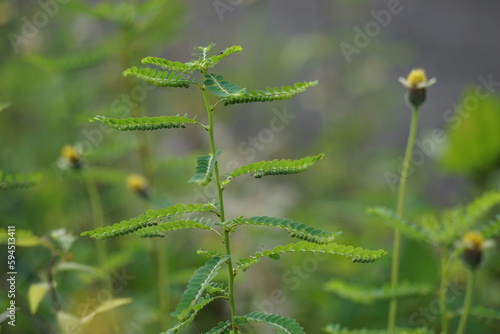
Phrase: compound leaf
x=175 y=66
x=481 y=206
x=197 y=284
x=270 y=94
x=151 y=218
x=355 y=254
x=196 y=308
x=222 y=327
x=364 y=295
x=16 y=181
x=283 y=324
x=275 y=167
x=160 y=230
x=485 y=313
x=295 y=229
x=391 y=218
x=220 y=87
x=204 y=169
x=159 y=78
x=145 y=123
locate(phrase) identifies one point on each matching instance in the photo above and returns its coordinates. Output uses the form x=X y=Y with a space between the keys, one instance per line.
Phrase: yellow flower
x=473 y=245
x=473 y=241
x=138 y=184
x=71 y=157
x=416 y=83
x=417 y=79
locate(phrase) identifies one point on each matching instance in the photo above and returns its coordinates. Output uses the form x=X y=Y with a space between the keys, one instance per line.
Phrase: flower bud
x=473 y=245
x=416 y=83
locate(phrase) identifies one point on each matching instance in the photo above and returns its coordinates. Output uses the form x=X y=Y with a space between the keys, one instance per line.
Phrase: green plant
x=202 y=288
x=449 y=233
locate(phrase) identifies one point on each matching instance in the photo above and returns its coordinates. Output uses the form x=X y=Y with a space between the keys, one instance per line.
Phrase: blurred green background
x=61 y=64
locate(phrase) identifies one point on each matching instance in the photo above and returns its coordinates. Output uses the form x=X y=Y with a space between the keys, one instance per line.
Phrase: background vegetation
x=67 y=69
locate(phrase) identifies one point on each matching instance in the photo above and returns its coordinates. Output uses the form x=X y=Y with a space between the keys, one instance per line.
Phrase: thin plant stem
x=98 y=216
x=50 y=278
x=218 y=183
x=146 y=161
x=467 y=302
x=399 y=211
x=163 y=276
x=443 y=289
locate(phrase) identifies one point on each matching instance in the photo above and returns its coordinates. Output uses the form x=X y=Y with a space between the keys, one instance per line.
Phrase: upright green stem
x=443 y=289
x=98 y=216
x=399 y=211
x=467 y=302
x=221 y=208
x=102 y=255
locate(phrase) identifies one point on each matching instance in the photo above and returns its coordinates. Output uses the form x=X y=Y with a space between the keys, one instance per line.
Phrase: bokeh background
x=66 y=68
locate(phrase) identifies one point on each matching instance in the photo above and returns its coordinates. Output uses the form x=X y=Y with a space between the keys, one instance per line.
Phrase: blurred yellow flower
x=473 y=241
x=416 y=83
x=417 y=79
x=138 y=184
x=473 y=245
x=71 y=157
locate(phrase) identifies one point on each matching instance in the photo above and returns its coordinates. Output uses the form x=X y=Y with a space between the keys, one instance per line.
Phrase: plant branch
x=210 y=110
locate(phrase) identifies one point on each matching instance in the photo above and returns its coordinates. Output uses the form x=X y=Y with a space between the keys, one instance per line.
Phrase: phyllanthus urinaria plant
x=204 y=287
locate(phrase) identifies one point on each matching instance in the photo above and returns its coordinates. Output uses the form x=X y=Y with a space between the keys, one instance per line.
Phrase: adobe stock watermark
x=223 y=6
x=30 y=28
x=248 y=149
x=363 y=37
x=453 y=117
x=120 y=108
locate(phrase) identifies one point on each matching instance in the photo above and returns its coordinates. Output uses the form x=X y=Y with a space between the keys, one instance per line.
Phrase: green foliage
x=197 y=284
x=218 y=86
x=159 y=78
x=206 y=57
x=270 y=94
x=337 y=329
x=69 y=62
x=16 y=181
x=473 y=144
x=4 y=105
x=275 y=167
x=146 y=123
x=390 y=217
x=194 y=311
x=492 y=229
x=222 y=327
x=204 y=169
x=478 y=208
x=295 y=229
x=24 y=238
x=174 y=66
x=355 y=254
x=449 y=226
x=485 y=313
x=364 y=295
x=160 y=230
x=201 y=290
x=280 y=323
x=152 y=218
